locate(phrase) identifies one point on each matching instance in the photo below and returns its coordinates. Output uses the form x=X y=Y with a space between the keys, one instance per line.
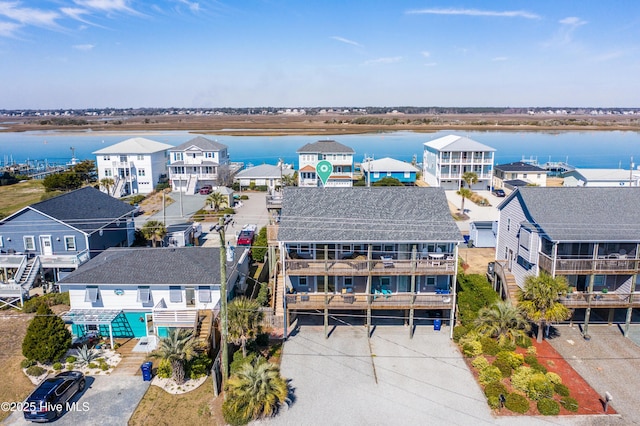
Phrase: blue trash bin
x=146 y=368
x=437 y=323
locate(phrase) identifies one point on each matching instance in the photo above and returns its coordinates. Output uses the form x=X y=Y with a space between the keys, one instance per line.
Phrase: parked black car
x=498 y=192
x=49 y=400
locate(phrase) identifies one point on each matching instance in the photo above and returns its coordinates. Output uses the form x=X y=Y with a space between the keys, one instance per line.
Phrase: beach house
x=511 y=175
x=197 y=163
x=591 y=236
x=135 y=166
x=142 y=292
x=368 y=251
x=340 y=156
x=374 y=170
x=43 y=242
x=447 y=159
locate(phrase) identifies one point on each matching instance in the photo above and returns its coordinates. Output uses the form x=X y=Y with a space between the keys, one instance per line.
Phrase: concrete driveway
x=389 y=379
x=107 y=400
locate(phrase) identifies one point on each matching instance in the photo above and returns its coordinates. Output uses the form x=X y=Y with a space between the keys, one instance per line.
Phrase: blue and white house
x=387 y=167
x=142 y=292
x=46 y=240
x=340 y=156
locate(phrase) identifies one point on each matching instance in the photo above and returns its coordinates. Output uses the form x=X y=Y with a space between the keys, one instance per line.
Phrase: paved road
x=107 y=400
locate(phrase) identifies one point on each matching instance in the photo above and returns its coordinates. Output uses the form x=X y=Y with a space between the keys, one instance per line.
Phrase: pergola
x=92 y=317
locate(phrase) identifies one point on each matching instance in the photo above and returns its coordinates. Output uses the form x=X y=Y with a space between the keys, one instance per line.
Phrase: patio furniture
x=387 y=261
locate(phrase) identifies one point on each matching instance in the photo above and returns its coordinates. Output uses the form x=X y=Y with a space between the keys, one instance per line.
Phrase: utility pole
x=224 y=332
x=631 y=172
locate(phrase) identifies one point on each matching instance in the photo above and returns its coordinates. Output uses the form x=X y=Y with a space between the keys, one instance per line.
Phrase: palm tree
x=503 y=321
x=464 y=193
x=107 y=183
x=290 y=180
x=539 y=300
x=243 y=321
x=216 y=200
x=469 y=178
x=178 y=347
x=154 y=230
x=256 y=390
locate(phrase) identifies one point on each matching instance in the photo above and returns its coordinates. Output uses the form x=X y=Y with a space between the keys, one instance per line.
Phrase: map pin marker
x=324 y=169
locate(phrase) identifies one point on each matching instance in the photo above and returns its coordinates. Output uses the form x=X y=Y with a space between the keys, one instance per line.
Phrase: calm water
x=595 y=149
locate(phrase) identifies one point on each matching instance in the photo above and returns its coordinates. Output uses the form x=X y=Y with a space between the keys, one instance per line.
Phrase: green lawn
x=15 y=197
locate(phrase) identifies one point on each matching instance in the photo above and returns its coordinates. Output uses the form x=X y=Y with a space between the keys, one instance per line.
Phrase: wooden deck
x=361 y=301
x=608 y=266
x=581 y=300
x=356 y=267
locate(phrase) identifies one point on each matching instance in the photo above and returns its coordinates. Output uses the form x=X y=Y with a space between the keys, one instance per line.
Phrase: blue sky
x=190 y=53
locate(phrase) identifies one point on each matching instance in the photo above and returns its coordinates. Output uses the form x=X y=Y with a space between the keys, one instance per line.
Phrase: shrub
x=569 y=404
x=475 y=293
x=86 y=354
x=164 y=370
x=262 y=340
x=104 y=366
x=554 y=378
x=508 y=347
x=495 y=389
x=532 y=350
x=521 y=377
x=71 y=359
x=540 y=387
x=472 y=348
x=116 y=345
x=524 y=342
x=259 y=245
x=514 y=360
x=199 y=366
x=57 y=366
x=458 y=332
x=244 y=197
x=26 y=363
x=239 y=360
x=516 y=403
x=539 y=368
x=548 y=407
x=503 y=366
x=531 y=359
x=35 y=371
x=489 y=374
x=489 y=346
x=479 y=363
x=494 y=402
x=232 y=415
x=561 y=389
x=92 y=365
x=70 y=367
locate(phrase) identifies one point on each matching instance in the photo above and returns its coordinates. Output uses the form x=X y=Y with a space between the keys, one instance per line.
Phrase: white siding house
x=446 y=159
x=136 y=165
x=196 y=163
x=340 y=156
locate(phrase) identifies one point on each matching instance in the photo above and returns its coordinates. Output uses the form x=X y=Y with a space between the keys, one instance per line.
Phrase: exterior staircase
x=191 y=185
x=204 y=329
x=278 y=292
x=29 y=274
x=512 y=288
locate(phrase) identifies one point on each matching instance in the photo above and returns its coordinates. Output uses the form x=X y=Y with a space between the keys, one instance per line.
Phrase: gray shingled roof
x=148 y=266
x=327 y=146
x=583 y=213
x=519 y=166
x=87 y=209
x=202 y=143
x=375 y=214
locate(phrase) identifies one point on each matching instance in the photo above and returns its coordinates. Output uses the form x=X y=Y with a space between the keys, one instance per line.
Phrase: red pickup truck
x=246 y=235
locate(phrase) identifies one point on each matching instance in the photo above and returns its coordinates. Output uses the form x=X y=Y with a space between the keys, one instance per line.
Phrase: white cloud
x=475 y=12
x=8 y=29
x=572 y=21
x=388 y=60
x=84 y=47
x=425 y=53
x=28 y=16
x=346 y=40
x=106 y=5
x=499 y=59
x=193 y=6
x=567 y=27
